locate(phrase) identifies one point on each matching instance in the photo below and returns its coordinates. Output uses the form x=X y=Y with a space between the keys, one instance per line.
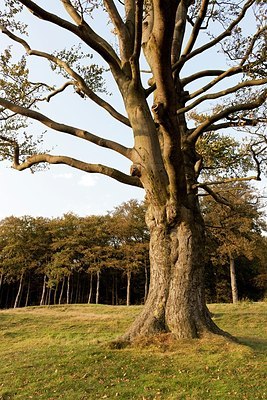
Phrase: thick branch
x=79 y=133
x=201 y=74
x=214 y=195
x=179 y=30
x=134 y=60
x=219 y=78
x=77 y=18
x=212 y=96
x=125 y=41
x=232 y=124
x=196 y=28
x=223 y=114
x=72 y=162
x=115 y=17
x=83 y=31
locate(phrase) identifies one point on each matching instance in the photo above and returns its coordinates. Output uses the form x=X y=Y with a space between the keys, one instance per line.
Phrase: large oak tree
x=177 y=40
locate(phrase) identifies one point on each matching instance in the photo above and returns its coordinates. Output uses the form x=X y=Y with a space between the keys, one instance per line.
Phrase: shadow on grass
x=256 y=344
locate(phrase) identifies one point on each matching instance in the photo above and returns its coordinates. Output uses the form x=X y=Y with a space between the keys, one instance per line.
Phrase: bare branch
x=215 y=196
x=212 y=96
x=60 y=89
x=219 y=78
x=134 y=60
x=232 y=124
x=115 y=17
x=223 y=114
x=201 y=74
x=251 y=44
x=196 y=28
x=77 y=18
x=184 y=58
x=228 y=180
x=179 y=30
x=109 y=144
x=79 y=80
x=72 y=162
x=83 y=31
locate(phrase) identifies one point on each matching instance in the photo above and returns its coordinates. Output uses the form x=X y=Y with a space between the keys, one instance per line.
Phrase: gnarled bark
x=176 y=299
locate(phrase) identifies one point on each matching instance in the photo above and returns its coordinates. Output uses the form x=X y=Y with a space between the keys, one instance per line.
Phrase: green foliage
x=92 y=74
x=223 y=156
x=71 y=248
x=8 y=15
x=15 y=84
x=235 y=229
x=23 y=244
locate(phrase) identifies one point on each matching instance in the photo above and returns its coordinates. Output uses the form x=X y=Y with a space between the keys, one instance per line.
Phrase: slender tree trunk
x=77 y=289
x=42 y=301
x=128 y=297
x=7 y=296
x=68 y=290
x=116 y=290
x=19 y=292
x=90 y=288
x=113 y=290
x=233 y=279
x=61 y=290
x=176 y=299
x=1 y=283
x=28 y=292
x=97 y=286
x=49 y=296
x=55 y=294
x=146 y=283
x=1 y=280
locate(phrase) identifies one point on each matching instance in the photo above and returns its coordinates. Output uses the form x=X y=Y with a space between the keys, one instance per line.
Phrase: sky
x=61 y=189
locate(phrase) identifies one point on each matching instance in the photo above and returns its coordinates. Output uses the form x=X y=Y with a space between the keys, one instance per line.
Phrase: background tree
x=23 y=249
x=175 y=37
x=235 y=228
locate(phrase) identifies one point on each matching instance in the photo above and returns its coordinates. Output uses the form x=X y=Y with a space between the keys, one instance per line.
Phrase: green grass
x=61 y=352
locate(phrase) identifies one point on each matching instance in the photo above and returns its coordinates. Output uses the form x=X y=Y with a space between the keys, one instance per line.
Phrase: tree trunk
x=233 y=279
x=77 y=294
x=97 y=286
x=61 y=291
x=19 y=292
x=176 y=298
x=55 y=294
x=68 y=290
x=128 y=297
x=90 y=288
x=28 y=292
x=49 y=296
x=42 y=301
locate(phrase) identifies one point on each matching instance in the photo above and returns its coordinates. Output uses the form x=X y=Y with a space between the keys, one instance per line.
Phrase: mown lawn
x=62 y=352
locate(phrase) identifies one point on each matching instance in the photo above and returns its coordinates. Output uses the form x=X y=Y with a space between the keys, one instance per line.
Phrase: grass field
x=62 y=352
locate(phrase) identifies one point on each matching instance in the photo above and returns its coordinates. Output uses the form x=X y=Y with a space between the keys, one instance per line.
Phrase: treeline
x=100 y=259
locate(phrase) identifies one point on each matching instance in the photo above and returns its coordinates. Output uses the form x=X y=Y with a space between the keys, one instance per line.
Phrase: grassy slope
x=61 y=352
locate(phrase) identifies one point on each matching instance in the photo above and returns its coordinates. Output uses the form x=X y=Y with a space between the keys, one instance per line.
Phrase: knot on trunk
x=135 y=170
x=158 y=112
